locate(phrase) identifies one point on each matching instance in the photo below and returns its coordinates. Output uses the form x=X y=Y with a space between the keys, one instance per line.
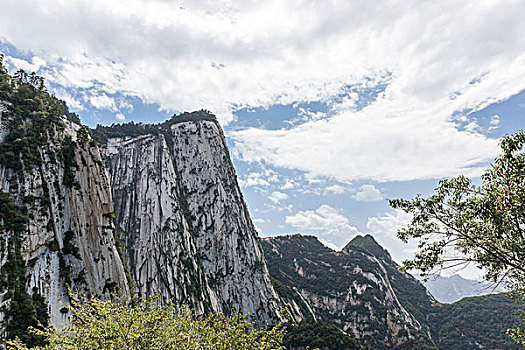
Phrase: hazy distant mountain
x=453 y=288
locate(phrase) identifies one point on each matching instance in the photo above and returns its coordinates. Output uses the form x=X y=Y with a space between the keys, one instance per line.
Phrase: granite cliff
x=160 y=212
x=55 y=209
x=186 y=230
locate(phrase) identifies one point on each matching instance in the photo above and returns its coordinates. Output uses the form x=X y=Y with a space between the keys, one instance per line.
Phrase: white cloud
x=325 y=219
x=121 y=117
x=335 y=189
x=261 y=178
x=288 y=185
x=306 y=114
x=253 y=181
x=33 y=66
x=71 y=101
x=103 y=101
x=368 y=193
x=376 y=143
x=259 y=220
x=389 y=223
x=277 y=197
x=247 y=53
x=123 y=104
x=494 y=122
x=435 y=59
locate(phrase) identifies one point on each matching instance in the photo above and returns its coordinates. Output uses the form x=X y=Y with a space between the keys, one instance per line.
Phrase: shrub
x=108 y=323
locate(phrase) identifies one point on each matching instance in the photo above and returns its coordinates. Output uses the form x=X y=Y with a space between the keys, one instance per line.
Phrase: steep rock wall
x=186 y=229
x=53 y=181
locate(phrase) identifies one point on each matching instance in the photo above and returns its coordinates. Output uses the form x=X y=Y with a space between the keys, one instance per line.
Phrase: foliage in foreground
x=109 y=324
x=322 y=335
x=472 y=321
x=464 y=223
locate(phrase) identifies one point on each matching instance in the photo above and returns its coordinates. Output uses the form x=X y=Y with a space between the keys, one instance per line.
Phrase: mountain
x=321 y=335
x=184 y=226
x=361 y=290
x=148 y=209
x=362 y=293
x=477 y=323
x=453 y=288
x=156 y=209
x=55 y=210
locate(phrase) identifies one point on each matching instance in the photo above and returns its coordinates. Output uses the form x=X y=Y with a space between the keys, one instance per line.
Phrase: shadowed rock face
x=186 y=229
x=358 y=288
x=361 y=290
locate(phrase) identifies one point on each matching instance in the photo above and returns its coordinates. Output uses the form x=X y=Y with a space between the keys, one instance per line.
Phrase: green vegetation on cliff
x=322 y=335
x=34 y=138
x=305 y=271
x=25 y=310
x=131 y=129
x=350 y=288
x=475 y=321
x=32 y=117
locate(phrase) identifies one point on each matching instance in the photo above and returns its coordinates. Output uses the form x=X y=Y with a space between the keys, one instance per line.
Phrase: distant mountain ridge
x=453 y=288
x=361 y=290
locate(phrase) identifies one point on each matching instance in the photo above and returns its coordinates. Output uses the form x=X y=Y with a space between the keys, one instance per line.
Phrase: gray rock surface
x=78 y=216
x=185 y=226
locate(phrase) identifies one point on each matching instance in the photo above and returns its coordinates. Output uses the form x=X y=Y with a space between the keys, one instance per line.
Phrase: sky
x=330 y=108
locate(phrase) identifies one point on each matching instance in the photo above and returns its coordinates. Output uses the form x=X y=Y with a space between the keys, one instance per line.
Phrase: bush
x=116 y=324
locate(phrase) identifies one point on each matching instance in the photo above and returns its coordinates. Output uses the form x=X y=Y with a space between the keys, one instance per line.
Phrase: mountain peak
x=367 y=239
x=195 y=116
x=132 y=129
x=368 y=243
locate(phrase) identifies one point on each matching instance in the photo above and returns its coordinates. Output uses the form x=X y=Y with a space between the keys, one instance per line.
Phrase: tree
x=107 y=323
x=321 y=335
x=463 y=223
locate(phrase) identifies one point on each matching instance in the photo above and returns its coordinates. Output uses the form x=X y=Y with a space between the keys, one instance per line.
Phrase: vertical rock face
x=186 y=229
x=182 y=221
x=55 y=212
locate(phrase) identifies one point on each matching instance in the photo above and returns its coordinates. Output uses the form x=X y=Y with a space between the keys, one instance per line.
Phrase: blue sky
x=329 y=107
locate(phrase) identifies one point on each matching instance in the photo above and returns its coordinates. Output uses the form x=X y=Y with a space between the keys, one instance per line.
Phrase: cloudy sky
x=330 y=107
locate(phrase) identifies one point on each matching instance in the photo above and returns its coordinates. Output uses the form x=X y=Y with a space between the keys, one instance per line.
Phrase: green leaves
x=462 y=223
x=117 y=324
x=482 y=224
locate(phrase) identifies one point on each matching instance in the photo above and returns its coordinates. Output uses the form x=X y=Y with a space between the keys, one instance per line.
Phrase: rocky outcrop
x=358 y=288
x=362 y=291
x=183 y=230
x=185 y=226
x=55 y=212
